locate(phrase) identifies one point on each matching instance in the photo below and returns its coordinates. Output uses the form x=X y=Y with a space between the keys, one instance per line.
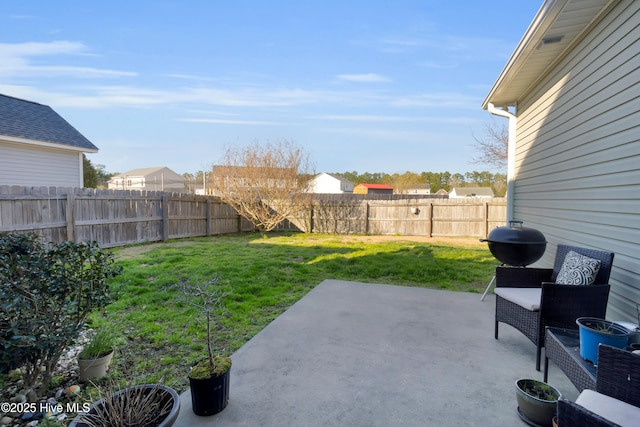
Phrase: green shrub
x=46 y=293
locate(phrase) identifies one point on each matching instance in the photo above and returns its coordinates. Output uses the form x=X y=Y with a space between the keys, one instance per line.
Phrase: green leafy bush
x=47 y=292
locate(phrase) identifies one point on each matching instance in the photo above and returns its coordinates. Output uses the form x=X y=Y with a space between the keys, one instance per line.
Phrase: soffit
x=558 y=25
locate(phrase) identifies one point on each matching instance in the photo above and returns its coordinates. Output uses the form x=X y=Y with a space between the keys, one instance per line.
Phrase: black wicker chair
x=618 y=377
x=560 y=305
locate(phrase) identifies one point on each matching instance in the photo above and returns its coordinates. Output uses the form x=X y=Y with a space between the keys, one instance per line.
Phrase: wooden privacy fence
x=116 y=218
x=431 y=217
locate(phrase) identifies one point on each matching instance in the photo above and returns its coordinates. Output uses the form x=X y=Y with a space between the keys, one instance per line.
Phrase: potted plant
x=537 y=401
x=209 y=378
x=147 y=405
x=95 y=357
x=594 y=331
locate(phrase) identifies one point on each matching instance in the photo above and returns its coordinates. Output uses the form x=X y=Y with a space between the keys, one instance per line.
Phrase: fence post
x=430 y=219
x=366 y=217
x=208 y=219
x=486 y=219
x=165 y=217
x=71 y=199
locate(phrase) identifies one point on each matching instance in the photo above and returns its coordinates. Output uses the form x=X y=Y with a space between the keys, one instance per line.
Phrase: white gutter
x=19 y=140
x=511 y=156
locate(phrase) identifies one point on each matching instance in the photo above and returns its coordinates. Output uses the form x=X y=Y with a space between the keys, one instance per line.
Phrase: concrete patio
x=356 y=354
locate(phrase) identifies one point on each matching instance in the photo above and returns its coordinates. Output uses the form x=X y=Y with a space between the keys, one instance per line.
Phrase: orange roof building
x=372 y=189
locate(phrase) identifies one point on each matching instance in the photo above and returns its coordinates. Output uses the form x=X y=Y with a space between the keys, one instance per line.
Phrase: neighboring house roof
x=29 y=122
x=376 y=186
x=144 y=171
x=338 y=177
x=473 y=191
x=148 y=178
x=552 y=33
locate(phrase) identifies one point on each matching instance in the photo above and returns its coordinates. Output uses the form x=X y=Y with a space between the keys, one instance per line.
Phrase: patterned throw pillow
x=578 y=269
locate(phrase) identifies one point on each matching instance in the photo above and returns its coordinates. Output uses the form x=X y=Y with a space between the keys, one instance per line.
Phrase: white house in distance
x=570 y=95
x=464 y=192
x=38 y=147
x=148 y=179
x=422 y=190
x=326 y=183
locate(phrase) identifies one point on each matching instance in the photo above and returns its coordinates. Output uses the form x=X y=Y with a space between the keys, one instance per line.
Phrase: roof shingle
x=30 y=120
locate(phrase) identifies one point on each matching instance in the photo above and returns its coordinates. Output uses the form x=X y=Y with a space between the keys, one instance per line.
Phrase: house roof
x=473 y=191
x=335 y=176
x=556 y=28
x=377 y=186
x=145 y=171
x=30 y=122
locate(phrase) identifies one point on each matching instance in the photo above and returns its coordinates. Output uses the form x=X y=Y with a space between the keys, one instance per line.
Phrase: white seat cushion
x=528 y=298
x=607 y=407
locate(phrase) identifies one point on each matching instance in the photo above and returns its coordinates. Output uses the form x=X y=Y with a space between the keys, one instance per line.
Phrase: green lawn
x=162 y=335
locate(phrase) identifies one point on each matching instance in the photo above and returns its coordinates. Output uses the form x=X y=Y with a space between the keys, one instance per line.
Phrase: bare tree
x=492 y=149
x=265 y=183
x=402 y=183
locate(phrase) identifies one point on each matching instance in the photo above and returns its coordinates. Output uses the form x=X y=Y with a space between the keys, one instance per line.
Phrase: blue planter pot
x=594 y=331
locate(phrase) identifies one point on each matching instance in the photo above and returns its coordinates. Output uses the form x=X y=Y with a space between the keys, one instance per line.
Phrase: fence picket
x=118 y=217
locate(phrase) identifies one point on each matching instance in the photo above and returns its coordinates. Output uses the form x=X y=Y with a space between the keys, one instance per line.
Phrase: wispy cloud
x=247 y=96
x=446 y=46
x=448 y=100
x=18 y=17
x=396 y=135
x=366 y=118
x=17 y=60
x=438 y=65
x=364 y=78
x=230 y=122
x=36 y=48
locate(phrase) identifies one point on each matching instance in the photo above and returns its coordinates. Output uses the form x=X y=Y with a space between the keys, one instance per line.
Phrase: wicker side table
x=562 y=346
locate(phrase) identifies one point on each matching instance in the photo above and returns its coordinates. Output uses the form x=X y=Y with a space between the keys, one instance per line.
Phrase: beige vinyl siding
x=578 y=152
x=22 y=164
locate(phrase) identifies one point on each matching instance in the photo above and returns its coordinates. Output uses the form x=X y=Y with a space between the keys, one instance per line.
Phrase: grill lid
x=516 y=233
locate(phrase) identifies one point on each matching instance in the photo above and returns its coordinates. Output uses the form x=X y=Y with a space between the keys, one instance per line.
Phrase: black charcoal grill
x=515 y=245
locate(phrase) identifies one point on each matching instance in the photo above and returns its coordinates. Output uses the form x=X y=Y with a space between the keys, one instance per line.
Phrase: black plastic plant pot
x=209 y=395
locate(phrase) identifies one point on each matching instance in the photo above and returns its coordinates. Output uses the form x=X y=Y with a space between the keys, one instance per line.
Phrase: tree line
x=433 y=180
x=96 y=176
x=265 y=183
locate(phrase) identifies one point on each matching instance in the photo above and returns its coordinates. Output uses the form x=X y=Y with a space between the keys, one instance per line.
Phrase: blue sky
x=366 y=86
